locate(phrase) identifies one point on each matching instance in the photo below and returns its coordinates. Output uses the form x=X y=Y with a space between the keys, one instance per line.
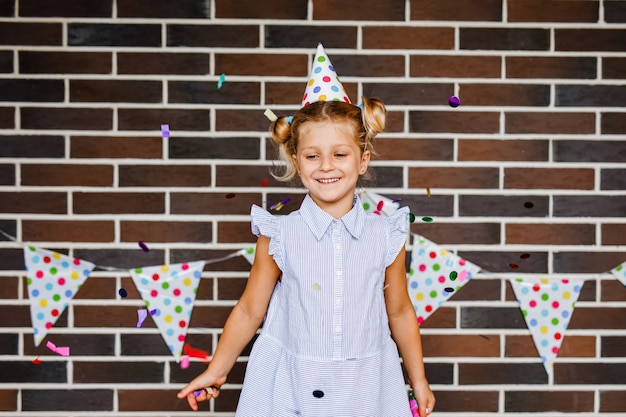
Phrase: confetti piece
x=524 y=256
x=143 y=246
x=464 y=274
x=153 y=312
x=197 y=392
x=265 y=182
x=61 y=350
x=165 y=131
x=385 y=287
x=270 y=115
x=184 y=362
x=37 y=361
x=122 y=292
x=411 y=217
x=453 y=275
x=529 y=205
x=513 y=266
x=448 y=289
x=454 y=101
x=220 y=82
x=428 y=192
x=396 y=200
x=230 y=195
x=195 y=352
x=427 y=219
x=484 y=337
x=142 y=314
x=316 y=287
x=280 y=205
x=380 y=205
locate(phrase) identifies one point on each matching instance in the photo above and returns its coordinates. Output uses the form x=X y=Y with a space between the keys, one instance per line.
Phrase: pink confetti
x=60 y=350
x=142 y=315
x=462 y=275
x=143 y=246
x=165 y=131
x=184 y=362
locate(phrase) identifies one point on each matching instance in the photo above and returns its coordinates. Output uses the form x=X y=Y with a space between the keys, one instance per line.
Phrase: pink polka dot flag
x=169 y=292
x=547 y=306
x=619 y=272
x=434 y=276
x=324 y=84
x=377 y=204
x=52 y=280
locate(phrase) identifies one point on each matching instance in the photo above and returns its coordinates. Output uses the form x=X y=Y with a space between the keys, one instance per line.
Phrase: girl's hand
x=204 y=387
x=424 y=396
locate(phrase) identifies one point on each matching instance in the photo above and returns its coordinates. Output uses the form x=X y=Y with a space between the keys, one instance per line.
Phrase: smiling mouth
x=327 y=180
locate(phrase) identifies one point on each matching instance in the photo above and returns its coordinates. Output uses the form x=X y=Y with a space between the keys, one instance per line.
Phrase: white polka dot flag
x=52 y=280
x=378 y=204
x=434 y=276
x=324 y=84
x=619 y=272
x=547 y=306
x=248 y=254
x=169 y=292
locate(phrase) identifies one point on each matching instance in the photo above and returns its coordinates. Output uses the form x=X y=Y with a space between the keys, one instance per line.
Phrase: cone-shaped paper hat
x=324 y=84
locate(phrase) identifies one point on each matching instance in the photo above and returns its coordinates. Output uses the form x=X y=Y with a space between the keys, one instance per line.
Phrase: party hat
x=324 y=84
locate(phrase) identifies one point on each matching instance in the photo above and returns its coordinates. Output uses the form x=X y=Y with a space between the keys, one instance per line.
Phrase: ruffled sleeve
x=264 y=223
x=398 y=223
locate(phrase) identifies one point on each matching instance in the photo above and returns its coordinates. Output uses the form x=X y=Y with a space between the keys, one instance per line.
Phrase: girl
x=328 y=284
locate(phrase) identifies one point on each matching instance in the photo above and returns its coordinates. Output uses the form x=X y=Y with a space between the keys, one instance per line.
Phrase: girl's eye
x=311 y=157
x=340 y=155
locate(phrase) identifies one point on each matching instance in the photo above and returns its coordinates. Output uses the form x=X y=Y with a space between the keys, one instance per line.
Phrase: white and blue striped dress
x=325 y=349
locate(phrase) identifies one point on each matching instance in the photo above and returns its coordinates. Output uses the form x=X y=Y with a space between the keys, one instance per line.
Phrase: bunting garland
x=619 y=272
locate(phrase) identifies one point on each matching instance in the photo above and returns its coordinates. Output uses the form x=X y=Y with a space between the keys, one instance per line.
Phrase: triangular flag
x=169 y=292
x=547 y=307
x=619 y=272
x=378 y=204
x=52 y=279
x=248 y=254
x=435 y=275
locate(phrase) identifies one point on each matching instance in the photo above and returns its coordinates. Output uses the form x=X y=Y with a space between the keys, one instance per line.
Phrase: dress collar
x=319 y=221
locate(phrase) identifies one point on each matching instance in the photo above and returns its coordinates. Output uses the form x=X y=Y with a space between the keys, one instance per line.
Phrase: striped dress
x=325 y=349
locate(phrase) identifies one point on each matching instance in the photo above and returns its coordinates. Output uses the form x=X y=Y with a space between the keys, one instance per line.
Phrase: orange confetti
x=428 y=192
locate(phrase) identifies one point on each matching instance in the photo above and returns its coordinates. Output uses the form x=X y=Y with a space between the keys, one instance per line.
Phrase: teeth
x=329 y=180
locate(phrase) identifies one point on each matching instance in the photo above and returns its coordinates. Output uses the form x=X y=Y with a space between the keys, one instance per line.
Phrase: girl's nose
x=326 y=163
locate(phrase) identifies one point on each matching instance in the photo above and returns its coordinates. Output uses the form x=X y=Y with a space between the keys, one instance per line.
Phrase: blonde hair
x=366 y=123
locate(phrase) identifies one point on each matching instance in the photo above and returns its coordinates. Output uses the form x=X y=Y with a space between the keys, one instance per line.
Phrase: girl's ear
x=295 y=162
x=365 y=159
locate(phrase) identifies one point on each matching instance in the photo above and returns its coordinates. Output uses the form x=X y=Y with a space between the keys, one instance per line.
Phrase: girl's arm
x=240 y=327
x=406 y=333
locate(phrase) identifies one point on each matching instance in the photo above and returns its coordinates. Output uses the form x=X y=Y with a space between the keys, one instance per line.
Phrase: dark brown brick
x=422 y=205
x=164 y=175
x=589 y=373
x=459 y=233
x=62 y=175
x=459 y=401
x=396 y=37
x=163 y=63
x=214 y=148
x=230 y=288
x=613 y=179
x=210 y=316
x=236 y=264
x=57 y=62
x=234 y=232
x=208 y=92
x=454 y=66
x=613 y=68
x=589 y=151
x=507 y=39
x=502 y=150
x=442 y=318
x=9 y=287
x=614 y=234
x=251 y=9
x=369 y=65
x=152 y=119
x=550 y=234
x=479 y=290
x=502 y=373
x=131 y=91
x=67 y=400
x=454 y=122
x=590 y=95
x=120 y=372
x=14 y=33
x=587 y=262
x=66 y=118
x=116 y=147
x=68 y=231
x=553 y=11
x=227 y=401
x=6 y=61
x=8 y=399
x=573 y=346
x=542 y=401
x=504 y=94
x=156 y=400
x=612 y=401
x=589 y=206
x=440 y=177
x=190 y=9
x=418 y=149
x=32 y=146
x=551 y=67
x=358 y=10
x=614 y=11
x=240 y=176
x=8 y=346
x=460 y=346
x=7 y=8
x=24 y=371
x=81 y=344
x=596 y=40
x=612 y=290
x=492 y=318
x=284 y=65
x=506 y=206
x=502 y=261
x=613 y=346
x=109 y=316
x=65 y=8
x=409 y=93
x=7 y=174
x=549 y=178
x=213 y=203
x=290 y=36
x=289 y=93
x=102 y=288
x=170 y=231
x=104 y=34
x=241 y=120
x=481 y=10
x=33 y=202
x=118 y=203
x=613 y=123
x=550 y=122
x=143 y=345
x=13 y=260
x=7 y=117
x=213 y=36
x=32 y=90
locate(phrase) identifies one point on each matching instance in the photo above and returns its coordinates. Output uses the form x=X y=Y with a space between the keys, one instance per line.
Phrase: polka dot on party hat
x=169 y=292
x=323 y=84
x=52 y=279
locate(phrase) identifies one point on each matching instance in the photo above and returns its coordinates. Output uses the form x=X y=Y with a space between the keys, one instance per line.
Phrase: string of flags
x=169 y=291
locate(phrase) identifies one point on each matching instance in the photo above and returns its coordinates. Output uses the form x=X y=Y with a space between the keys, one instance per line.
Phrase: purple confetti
x=143 y=246
x=165 y=131
x=454 y=101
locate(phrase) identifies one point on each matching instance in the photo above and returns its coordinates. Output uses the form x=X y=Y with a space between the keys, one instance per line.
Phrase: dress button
x=337 y=301
x=318 y=394
x=337 y=329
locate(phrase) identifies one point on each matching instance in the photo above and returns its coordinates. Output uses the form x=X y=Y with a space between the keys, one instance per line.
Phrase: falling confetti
x=197 y=392
x=142 y=314
x=396 y=200
x=37 y=361
x=411 y=217
x=270 y=115
x=524 y=256
x=448 y=289
x=122 y=292
x=230 y=195
x=143 y=246
x=165 y=131
x=220 y=82
x=265 y=182
x=280 y=205
x=513 y=266
x=428 y=192
x=195 y=352
x=453 y=275
x=184 y=362
x=379 y=207
x=427 y=219
x=60 y=350
x=316 y=287
x=454 y=101
x=529 y=205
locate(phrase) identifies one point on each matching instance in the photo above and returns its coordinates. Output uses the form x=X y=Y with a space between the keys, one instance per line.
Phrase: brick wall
x=85 y=86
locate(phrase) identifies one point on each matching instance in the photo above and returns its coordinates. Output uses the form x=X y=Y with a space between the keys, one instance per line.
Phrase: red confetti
x=265 y=182
x=380 y=205
x=37 y=361
x=513 y=266
x=524 y=256
x=143 y=246
x=230 y=195
x=195 y=352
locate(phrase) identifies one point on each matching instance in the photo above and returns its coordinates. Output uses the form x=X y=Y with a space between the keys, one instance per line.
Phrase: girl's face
x=329 y=162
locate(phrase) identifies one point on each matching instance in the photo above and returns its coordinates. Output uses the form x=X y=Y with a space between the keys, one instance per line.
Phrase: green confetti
x=453 y=275
x=427 y=219
x=411 y=217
